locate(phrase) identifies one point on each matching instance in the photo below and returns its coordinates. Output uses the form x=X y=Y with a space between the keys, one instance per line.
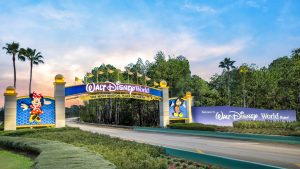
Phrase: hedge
x=56 y=155
x=192 y=126
x=267 y=125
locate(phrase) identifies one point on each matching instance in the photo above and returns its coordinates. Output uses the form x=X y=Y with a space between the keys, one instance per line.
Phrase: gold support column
x=59 y=95
x=10 y=108
x=190 y=103
x=164 y=116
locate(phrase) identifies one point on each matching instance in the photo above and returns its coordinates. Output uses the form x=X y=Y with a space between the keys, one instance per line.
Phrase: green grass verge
x=10 y=160
x=124 y=154
x=56 y=155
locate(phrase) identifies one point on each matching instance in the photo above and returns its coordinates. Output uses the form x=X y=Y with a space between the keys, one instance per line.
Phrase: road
x=277 y=154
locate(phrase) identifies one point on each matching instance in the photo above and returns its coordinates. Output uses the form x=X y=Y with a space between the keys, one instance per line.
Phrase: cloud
x=253 y=4
x=257 y=5
x=79 y=60
x=111 y=40
x=200 y=8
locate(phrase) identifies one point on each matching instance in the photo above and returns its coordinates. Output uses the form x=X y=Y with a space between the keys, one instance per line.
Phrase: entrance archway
x=101 y=90
x=95 y=91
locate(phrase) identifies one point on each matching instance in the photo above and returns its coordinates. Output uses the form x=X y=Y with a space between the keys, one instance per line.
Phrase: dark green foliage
x=193 y=126
x=265 y=131
x=121 y=111
x=1 y=114
x=56 y=155
x=185 y=164
x=272 y=87
x=266 y=125
x=73 y=111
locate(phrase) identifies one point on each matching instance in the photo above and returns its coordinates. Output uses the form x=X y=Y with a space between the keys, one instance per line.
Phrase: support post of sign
x=59 y=95
x=164 y=116
x=10 y=108
x=190 y=103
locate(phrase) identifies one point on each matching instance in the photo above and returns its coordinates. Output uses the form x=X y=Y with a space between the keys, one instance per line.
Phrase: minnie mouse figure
x=37 y=101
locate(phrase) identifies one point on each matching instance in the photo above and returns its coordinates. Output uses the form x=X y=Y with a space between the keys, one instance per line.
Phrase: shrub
x=266 y=125
x=193 y=126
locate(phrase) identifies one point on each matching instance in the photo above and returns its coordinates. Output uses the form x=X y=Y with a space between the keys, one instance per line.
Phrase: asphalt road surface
x=277 y=154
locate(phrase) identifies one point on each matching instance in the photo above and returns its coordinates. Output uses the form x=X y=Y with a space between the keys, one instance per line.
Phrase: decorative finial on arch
x=59 y=79
x=10 y=90
x=163 y=83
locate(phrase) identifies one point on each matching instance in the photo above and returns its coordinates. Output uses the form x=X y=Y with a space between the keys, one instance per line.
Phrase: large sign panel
x=226 y=115
x=35 y=110
x=110 y=87
x=178 y=108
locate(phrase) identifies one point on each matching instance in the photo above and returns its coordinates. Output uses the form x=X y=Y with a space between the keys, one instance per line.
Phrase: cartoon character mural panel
x=178 y=108
x=35 y=110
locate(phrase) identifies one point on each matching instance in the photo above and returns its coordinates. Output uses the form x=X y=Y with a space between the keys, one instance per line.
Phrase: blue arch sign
x=112 y=87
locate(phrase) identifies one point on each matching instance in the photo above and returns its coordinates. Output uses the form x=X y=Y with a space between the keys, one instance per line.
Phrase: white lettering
x=111 y=87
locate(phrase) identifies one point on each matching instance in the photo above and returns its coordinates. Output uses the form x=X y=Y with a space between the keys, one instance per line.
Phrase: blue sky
x=75 y=36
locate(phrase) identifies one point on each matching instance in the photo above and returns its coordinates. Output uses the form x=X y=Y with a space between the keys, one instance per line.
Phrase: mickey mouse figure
x=37 y=101
x=176 y=107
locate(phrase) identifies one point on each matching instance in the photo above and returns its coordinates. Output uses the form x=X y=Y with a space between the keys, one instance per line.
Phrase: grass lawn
x=124 y=154
x=10 y=160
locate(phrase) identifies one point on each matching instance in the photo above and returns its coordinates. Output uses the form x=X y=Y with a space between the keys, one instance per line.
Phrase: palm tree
x=34 y=57
x=13 y=49
x=227 y=64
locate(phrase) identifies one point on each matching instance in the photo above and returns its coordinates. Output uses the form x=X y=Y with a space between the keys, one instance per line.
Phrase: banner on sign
x=119 y=95
x=178 y=108
x=35 y=110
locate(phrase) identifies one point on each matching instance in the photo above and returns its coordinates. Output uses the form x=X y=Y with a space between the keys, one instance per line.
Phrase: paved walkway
x=277 y=154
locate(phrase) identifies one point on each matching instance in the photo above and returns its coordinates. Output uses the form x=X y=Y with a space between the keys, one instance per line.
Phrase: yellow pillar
x=10 y=108
x=190 y=103
x=164 y=116
x=59 y=95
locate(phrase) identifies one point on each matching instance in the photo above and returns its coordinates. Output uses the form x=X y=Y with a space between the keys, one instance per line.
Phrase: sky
x=76 y=35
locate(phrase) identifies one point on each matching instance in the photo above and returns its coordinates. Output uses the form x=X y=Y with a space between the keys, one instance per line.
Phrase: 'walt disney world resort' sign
x=113 y=90
x=226 y=115
x=116 y=87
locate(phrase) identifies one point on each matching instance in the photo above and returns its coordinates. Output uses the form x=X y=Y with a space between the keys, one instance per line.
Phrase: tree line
x=276 y=86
